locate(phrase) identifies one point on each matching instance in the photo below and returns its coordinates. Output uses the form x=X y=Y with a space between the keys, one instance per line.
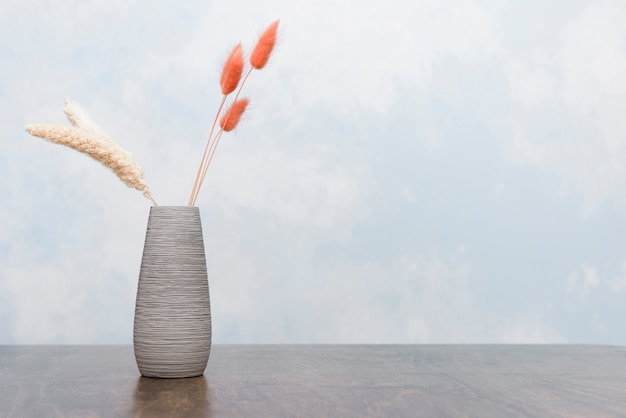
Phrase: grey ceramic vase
x=172 y=330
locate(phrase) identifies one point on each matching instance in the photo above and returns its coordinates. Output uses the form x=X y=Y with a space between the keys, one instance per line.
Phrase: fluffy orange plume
x=232 y=79
x=231 y=118
x=264 y=46
x=231 y=73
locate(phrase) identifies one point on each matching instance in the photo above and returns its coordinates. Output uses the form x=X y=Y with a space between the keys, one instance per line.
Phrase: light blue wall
x=417 y=172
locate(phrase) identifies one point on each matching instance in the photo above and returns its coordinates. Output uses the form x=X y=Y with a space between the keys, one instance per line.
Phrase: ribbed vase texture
x=172 y=330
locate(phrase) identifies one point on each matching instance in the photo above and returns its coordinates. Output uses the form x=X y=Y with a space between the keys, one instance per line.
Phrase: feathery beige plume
x=86 y=137
x=80 y=119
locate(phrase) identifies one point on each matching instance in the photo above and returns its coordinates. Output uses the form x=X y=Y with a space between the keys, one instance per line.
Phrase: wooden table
x=320 y=381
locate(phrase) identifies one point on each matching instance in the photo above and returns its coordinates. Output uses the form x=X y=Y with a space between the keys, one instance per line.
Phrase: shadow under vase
x=186 y=397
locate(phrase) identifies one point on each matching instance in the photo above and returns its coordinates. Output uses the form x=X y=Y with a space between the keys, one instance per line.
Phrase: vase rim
x=174 y=209
x=174 y=206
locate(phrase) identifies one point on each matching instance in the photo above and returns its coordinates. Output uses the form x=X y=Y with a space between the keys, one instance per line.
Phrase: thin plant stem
x=241 y=85
x=149 y=196
x=204 y=165
x=196 y=185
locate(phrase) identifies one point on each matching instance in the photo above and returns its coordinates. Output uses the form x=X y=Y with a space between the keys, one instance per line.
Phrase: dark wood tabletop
x=321 y=381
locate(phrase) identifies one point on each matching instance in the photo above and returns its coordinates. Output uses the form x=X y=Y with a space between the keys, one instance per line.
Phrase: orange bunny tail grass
x=231 y=118
x=232 y=79
x=264 y=46
x=231 y=73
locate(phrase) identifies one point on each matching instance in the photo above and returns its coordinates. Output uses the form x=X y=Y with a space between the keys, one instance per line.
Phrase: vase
x=172 y=327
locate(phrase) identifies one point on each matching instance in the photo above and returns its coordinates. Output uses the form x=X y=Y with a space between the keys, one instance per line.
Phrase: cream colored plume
x=86 y=137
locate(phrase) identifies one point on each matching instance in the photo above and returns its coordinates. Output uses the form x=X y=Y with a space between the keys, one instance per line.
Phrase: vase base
x=169 y=376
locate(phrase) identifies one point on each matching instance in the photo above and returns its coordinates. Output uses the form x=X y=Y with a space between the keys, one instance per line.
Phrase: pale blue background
x=409 y=171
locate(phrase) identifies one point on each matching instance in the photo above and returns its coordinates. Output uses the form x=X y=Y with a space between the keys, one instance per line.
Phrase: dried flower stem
x=196 y=186
x=230 y=78
x=205 y=168
x=229 y=121
x=86 y=137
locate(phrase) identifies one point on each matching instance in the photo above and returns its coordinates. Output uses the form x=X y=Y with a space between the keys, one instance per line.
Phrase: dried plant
x=231 y=118
x=86 y=137
x=264 y=47
x=231 y=74
x=229 y=80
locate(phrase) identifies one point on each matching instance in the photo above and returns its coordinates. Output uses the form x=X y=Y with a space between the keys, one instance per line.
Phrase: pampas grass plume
x=232 y=116
x=86 y=137
x=233 y=68
x=263 y=49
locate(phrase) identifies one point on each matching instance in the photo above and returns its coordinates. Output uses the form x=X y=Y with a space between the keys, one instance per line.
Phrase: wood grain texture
x=172 y=329
x=320 y=381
